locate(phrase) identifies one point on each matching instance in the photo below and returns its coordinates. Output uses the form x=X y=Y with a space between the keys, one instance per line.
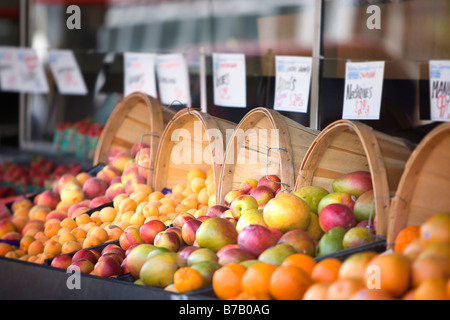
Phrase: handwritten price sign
x=173 y=79
x=8 y=70
x=229 y=80
x=66 y=72
x=292 y=83
x=139 y=73
x=31 y=75
x=363 y=88
x=440 y=90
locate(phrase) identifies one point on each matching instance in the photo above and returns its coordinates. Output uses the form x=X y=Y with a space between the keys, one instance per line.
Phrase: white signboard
x=292 y=83
x=173 y=79
x=229 y=80
x=440 y=90
x=140 y=73
x=9 y=75
x=66 y=72
x=363 y=89
x=31 y=73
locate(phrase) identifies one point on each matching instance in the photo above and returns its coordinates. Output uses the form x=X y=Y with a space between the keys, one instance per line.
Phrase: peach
x=99 y=201
x=91 y=241
x=39 y=212
x=108 y=214
x=19 y=222
x=150 y=210
x=68 y=223
x=94 y=187
x=70 y=246
x=82 y=177
x=165 y=209
x=139 y=196
x=52 y=247
x=114 y=189
x=108 y=266
x=65 y=180
x=33 y=224
x=72 y=194
x=95 y=217
x=61 y=261
x=40 y=235
x=62 y=231
x=35 y=248
x=22 y=212
x=56 y=214
x=79 y=233
x=66 y=237
x=129 y=237
x=114 y=232
x=12 y=235
x=143 y=188
x=49 y=198
x=115 y=150
x=26 y=241
x=120 y=159
x=118 y=199
x=99 y=233
x=21 y=203
x=12 y=255
x=52 y=229
x=144 y=167
x=108 y=173
x=137 y=219
x=82 y=219
x=5 y=248
x=141 y=206
x=6 y=226
x=131 y=171
x=78 y=212
x=134 y=181
x=127 y=205
x=82 y=265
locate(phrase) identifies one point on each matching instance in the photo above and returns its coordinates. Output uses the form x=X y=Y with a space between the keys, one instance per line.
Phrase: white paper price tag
x=292 y=83
x=229 y=80
x=31 y=73
x=140 y=73
x=440 y=90
x=66 y=72
x=363 y=89
x=173 y=79
x=9 y=75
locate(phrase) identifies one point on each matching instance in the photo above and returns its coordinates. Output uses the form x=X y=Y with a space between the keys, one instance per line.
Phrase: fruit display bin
x=345 y=146
x=123 y=285
x=137 y=118
x=192 y=140
x=424 y=187
x=377 y=246
x=264 y=142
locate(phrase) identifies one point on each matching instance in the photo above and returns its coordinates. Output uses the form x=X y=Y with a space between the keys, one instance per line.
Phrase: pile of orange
x=417 y=269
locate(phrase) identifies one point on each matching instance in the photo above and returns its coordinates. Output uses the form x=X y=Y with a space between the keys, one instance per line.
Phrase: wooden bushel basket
x=346 y=146
x=264 y=142
x=192 y=139
x=138 y=117
x=424 y=188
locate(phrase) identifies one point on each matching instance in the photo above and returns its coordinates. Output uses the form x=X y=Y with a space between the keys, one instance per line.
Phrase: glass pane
x=411 y=33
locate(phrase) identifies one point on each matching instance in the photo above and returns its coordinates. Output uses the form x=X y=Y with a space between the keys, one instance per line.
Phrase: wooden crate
x=192 y=139
x=424 y=187
x=136 y=118
x=253 y=151
x=345 y=146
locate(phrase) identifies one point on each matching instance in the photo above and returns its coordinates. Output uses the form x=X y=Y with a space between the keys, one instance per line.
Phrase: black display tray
x=377 y=246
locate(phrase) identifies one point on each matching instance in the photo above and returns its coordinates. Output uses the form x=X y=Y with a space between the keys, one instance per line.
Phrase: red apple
x=168 y=239
x=248 y=185
x=230 y=196
x=242 y=203
x=273 y=182
x=301 y=241
x=150 y=229
x=189 y=229
x=262 y=194
x=255 y=239
x=336 y=215
x=216 y=210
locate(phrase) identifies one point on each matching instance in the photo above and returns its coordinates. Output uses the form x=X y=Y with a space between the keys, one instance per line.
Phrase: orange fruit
x=389 y=272
x=302 y=261
x=436 y=229
x=439 y=250
x=326 y=270
x=413 y=250
x=226 y=280
x=289 y=283
x=432 y=289
x=405 y=237
x=374 y=294
x=429 y=267
x=257 y=278
x=409 y=295
x=317 y=291
x=354 y=266
x=344 y=289
x=252 y=296
x=448 y=287
x=187 y=279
